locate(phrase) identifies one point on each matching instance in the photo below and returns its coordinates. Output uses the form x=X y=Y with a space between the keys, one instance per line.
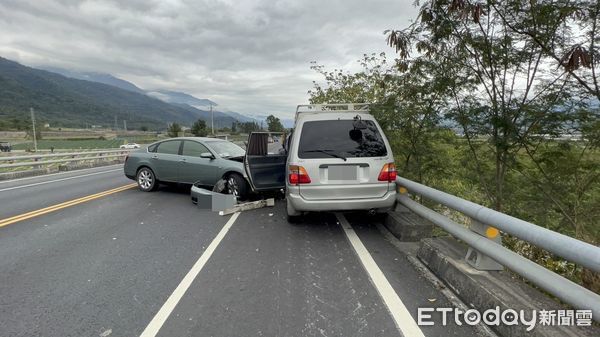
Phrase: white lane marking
x=57 y=174
x=404 y=321
x=56 y=180
x=165 y=311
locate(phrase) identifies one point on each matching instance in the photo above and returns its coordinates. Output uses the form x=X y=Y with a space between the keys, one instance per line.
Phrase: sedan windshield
x=226 y=149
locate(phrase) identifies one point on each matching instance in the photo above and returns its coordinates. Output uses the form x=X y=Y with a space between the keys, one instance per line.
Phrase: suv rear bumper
x=385 y=202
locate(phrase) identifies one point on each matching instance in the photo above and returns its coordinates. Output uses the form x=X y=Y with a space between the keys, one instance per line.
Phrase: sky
x=249 y=56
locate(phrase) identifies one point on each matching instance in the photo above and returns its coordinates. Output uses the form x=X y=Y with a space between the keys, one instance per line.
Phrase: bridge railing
x=39 y=160
x=483 y=239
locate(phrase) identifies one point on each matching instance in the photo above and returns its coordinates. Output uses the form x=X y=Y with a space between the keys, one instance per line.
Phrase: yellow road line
x=32 y=214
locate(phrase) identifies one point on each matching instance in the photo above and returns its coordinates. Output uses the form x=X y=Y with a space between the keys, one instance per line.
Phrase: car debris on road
x=246 y=206
x=218 y=201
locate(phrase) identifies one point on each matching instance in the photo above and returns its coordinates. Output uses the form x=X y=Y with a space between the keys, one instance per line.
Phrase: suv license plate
x=342 y=172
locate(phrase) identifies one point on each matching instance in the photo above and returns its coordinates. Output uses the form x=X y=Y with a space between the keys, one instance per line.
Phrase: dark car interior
x=266 y=166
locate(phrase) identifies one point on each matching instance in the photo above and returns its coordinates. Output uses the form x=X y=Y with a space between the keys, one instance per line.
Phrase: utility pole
x=212 y=120
x=125 y=125
x=115 y=122
x=33 y=124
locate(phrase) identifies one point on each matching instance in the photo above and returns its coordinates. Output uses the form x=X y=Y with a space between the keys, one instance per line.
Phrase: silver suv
x=336 y=159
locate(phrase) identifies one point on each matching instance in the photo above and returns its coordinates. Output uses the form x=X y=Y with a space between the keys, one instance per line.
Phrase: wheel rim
x=145 y=179
x=233 y=187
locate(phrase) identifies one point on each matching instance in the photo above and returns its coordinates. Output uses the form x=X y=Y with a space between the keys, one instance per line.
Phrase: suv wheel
x=146 y=180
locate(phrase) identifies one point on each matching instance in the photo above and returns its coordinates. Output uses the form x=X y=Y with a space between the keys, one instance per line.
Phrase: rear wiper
x=329 y=152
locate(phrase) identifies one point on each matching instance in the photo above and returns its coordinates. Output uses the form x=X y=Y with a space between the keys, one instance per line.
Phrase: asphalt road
x=128 y=262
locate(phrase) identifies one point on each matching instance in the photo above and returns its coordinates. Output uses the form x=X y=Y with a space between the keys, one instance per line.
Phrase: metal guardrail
x=38 y=160
x=567 y=247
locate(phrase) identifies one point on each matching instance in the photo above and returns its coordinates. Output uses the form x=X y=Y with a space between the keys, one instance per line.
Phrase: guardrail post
x=477 y=259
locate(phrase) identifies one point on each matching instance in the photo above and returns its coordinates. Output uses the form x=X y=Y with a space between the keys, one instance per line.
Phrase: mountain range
x=96 y=77
x=173 y=97
x=181 y=98
x=66 y=98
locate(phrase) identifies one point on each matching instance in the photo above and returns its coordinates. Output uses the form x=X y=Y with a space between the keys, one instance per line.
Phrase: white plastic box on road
x=214 y=201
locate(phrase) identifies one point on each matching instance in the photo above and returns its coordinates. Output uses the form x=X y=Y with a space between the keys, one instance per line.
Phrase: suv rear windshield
x=323 y=139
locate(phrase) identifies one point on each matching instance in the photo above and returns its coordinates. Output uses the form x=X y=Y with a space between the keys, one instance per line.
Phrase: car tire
x=237 y=185
x=146 y=180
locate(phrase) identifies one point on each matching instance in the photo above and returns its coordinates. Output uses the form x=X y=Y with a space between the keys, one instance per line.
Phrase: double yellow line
x=32 y=214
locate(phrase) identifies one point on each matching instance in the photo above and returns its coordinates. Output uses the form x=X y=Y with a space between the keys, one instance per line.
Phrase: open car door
x=265 y=161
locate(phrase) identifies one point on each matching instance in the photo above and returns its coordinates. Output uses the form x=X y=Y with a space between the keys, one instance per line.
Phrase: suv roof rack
x=340 y=107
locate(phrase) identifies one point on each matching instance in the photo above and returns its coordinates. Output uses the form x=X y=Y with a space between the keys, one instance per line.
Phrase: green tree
x=404 y=103
x=199 y=128
x=248 y=127
x=174 y=130
x=274 y=124
x=517 y=75
x=494 y=81
x=143 y=128
x=567 y=33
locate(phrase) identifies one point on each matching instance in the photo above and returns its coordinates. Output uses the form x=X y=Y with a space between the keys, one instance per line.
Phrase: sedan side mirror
x=207 y=155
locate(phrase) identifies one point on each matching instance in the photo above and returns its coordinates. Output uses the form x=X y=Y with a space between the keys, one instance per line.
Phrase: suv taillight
x=298 y=175
x=388 y=173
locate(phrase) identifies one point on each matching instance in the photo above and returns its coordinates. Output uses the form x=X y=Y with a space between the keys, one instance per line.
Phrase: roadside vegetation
x=498 y=103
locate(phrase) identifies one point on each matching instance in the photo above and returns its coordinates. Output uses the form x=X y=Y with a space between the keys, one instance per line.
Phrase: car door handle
x=155 y=157
x=183 y=160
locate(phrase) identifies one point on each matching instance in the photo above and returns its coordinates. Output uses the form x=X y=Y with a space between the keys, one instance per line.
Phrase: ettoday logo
x=497 y=317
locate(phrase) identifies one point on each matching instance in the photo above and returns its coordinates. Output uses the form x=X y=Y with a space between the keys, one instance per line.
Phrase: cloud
x=249 y=56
